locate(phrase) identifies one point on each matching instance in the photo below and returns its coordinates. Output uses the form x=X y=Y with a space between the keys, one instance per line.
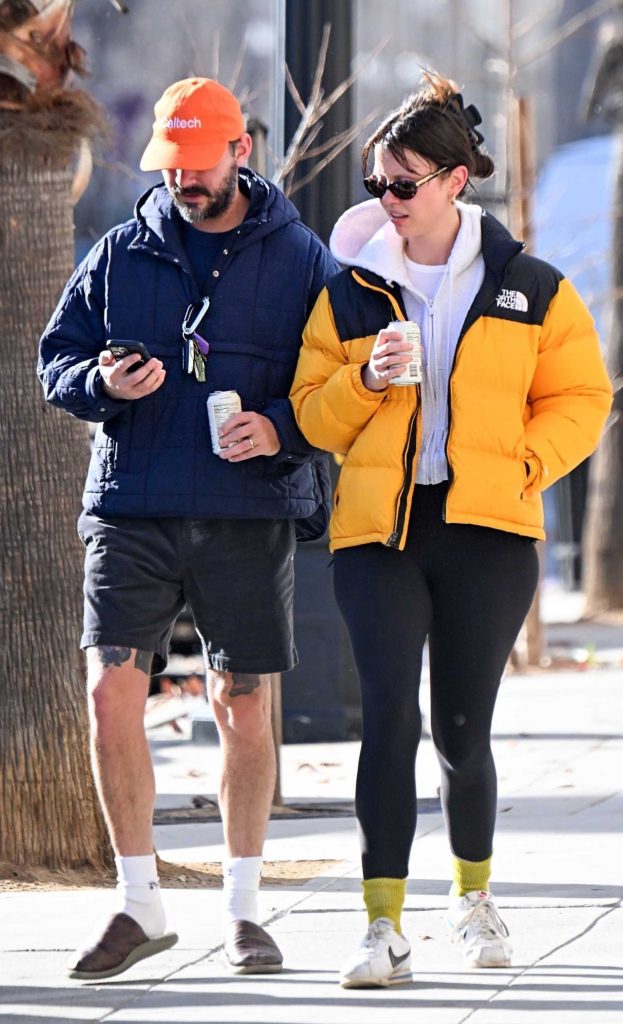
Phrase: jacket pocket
x=530 y=475
x=113 y=441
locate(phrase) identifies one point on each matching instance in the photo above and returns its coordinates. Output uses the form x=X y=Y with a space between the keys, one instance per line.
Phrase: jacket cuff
x=294 y=447
x=361 y=389
x=104 y=406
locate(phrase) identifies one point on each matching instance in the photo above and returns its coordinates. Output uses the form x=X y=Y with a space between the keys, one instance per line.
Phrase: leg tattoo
x=113 y=655
x=243 y=683
x=119 y=655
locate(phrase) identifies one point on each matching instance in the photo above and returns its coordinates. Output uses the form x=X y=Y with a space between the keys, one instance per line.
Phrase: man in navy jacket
x=214 y=277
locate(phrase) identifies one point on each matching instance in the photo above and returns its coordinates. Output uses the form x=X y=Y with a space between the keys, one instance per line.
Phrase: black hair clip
x=470 y=117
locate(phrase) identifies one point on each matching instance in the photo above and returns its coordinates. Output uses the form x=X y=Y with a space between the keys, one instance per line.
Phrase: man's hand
x=389 y=358
x=246 y=435
x=118 y=383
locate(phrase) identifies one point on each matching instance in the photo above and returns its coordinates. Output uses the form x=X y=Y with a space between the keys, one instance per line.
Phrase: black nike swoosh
x=397 y=960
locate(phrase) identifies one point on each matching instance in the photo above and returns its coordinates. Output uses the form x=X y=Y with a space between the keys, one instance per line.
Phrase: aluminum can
x=411 y=333
x=221 y=405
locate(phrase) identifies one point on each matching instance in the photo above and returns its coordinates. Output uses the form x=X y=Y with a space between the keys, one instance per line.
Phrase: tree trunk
x=602 y=548
x=48 y=809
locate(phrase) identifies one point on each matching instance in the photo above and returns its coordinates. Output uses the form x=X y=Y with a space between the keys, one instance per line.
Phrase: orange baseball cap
x=195 y=119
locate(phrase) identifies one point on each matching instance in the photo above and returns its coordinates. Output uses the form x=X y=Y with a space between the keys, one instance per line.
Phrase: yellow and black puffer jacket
x=528 y=398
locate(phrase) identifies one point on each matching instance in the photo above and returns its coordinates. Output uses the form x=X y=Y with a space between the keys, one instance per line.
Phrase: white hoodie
x=364 y=237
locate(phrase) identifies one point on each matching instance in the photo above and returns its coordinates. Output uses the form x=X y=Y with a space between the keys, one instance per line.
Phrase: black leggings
x=468 y=588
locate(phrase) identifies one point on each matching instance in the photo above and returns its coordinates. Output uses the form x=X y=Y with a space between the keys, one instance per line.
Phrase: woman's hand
x=389 y=358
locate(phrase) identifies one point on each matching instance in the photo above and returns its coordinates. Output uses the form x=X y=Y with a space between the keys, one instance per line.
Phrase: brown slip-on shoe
x=122 y=943
x=249 y=949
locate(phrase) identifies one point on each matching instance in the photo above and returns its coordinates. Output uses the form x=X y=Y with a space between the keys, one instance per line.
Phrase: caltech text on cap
x=180 y=122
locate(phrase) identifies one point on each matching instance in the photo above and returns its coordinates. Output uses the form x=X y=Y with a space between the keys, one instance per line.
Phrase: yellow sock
x=470 y=876
x=384 y=897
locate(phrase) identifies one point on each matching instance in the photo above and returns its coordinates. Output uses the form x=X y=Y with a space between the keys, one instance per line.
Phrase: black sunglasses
x=402 y=188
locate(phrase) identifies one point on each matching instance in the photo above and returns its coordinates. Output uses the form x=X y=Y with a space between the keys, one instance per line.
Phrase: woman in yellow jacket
x=439 y=503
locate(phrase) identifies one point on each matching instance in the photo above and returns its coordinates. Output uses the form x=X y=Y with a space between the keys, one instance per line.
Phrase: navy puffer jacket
x=153 y=456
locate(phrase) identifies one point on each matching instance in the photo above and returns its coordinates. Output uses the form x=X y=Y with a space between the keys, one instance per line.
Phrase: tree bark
x=602 y=548
x=48 y=808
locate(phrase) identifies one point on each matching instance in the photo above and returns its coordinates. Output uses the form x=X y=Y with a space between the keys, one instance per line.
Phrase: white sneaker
x=479 y=929
x=383 y=958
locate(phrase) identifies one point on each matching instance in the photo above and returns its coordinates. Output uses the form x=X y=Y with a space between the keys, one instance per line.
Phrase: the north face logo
x=509 y=299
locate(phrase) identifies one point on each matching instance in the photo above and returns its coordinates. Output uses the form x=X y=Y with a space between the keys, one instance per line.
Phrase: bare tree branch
x=310 y=124
x=314 y=131
x=336 y=139
x=290 y=158
x=246 y=96
x=194 y=66
x=301 y=154
x=233 y=80
x=316 y=89
x=347 y=137
x=348 y=82
x=568 y=29
x=216 y=42
x=526 y=25
x=294 y=93
x=121 y=168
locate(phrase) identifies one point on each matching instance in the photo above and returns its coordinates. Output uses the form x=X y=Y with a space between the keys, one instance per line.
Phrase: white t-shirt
x=425 y=279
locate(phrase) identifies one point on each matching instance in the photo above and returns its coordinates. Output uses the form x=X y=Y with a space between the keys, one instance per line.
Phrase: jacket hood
x=269 y=210
x=364 y=237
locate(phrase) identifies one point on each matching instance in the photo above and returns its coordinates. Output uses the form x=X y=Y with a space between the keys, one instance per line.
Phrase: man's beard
x=219 y=200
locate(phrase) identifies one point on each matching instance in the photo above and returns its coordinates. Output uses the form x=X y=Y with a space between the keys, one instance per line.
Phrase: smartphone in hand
x=121 y=348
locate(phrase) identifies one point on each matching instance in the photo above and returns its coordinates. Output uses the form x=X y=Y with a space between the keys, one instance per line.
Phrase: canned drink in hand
x=221 y=405
x=411 y=333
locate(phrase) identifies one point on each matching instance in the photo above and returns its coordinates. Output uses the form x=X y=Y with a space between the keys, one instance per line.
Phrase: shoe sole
x=253 y=968
x=493 y=965
x=398 y=979
x=141 y=952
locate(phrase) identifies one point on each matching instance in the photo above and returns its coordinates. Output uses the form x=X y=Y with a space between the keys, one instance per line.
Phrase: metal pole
x=277 y=148
x=523 y=205
x=274 y=157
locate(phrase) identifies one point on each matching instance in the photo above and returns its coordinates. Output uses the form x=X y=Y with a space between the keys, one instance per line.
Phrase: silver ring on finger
x=251 y=443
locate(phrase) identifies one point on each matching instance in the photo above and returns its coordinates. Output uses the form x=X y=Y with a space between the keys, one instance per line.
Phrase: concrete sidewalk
x=557 y=875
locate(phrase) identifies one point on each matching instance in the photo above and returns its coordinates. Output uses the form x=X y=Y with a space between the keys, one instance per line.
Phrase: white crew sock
x=137 y=886
x=241 y=883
